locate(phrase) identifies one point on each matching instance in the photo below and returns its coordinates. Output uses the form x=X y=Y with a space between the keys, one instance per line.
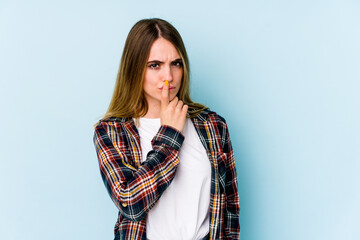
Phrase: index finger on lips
x=165 y=95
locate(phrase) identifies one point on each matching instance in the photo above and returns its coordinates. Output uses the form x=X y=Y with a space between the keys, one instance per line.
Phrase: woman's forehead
x=163 y=50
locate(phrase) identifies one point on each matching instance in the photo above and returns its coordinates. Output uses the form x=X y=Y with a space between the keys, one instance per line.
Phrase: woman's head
x=164 y=64
x=129 y=98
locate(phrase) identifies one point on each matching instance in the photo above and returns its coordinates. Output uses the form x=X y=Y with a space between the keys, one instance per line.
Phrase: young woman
x=166 y=162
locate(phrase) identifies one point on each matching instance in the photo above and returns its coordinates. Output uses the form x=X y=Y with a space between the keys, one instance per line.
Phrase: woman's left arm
x=232 y=211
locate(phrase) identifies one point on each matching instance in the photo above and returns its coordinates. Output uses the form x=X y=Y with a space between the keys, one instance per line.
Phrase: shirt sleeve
x=232 y=211
x=135 y=190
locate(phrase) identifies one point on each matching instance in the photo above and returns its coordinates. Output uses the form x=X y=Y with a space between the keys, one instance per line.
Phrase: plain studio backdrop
x=284 y=74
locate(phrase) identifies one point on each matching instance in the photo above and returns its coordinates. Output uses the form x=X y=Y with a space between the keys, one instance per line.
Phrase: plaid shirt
x=135 y=187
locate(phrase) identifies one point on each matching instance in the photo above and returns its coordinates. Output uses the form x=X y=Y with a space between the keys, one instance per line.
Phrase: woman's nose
x=167 y=74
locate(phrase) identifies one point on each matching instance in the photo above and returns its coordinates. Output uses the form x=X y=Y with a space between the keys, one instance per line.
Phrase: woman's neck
x=153 y=112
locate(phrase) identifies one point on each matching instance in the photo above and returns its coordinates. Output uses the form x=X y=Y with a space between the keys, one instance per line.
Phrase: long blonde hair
x=128 y=99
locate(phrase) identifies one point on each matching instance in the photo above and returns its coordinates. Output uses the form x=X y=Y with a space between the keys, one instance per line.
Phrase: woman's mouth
x=171 y=88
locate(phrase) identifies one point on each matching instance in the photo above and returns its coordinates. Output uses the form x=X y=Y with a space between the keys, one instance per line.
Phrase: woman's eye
x=154 y=65
x=178 y=64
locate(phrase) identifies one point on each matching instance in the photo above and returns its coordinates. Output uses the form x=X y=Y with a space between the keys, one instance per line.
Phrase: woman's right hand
x=173 y=113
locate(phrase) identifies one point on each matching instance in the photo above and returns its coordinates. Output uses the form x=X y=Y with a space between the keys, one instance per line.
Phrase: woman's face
x=164 y=63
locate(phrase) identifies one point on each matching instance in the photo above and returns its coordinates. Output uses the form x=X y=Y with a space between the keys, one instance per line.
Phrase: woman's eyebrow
x=177 y=60
x=155 y=61
x=159 y=62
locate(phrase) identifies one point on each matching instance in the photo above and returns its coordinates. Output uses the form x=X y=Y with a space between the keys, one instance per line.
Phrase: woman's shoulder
x=211 y=116
x=112 y=122
x=114 y=119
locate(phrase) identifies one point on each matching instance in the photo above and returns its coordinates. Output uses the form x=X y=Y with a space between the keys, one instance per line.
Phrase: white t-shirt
x=182 y=212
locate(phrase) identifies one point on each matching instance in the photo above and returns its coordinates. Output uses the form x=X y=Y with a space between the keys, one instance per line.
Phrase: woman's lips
x=171 y=88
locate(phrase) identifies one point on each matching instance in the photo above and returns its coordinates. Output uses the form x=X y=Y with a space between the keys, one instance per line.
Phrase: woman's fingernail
x=166 y=83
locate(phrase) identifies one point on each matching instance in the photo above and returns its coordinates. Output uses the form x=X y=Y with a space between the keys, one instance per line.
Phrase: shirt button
x=124 y=204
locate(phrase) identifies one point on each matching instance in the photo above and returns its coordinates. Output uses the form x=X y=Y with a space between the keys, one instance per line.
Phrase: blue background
x=285 y=75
